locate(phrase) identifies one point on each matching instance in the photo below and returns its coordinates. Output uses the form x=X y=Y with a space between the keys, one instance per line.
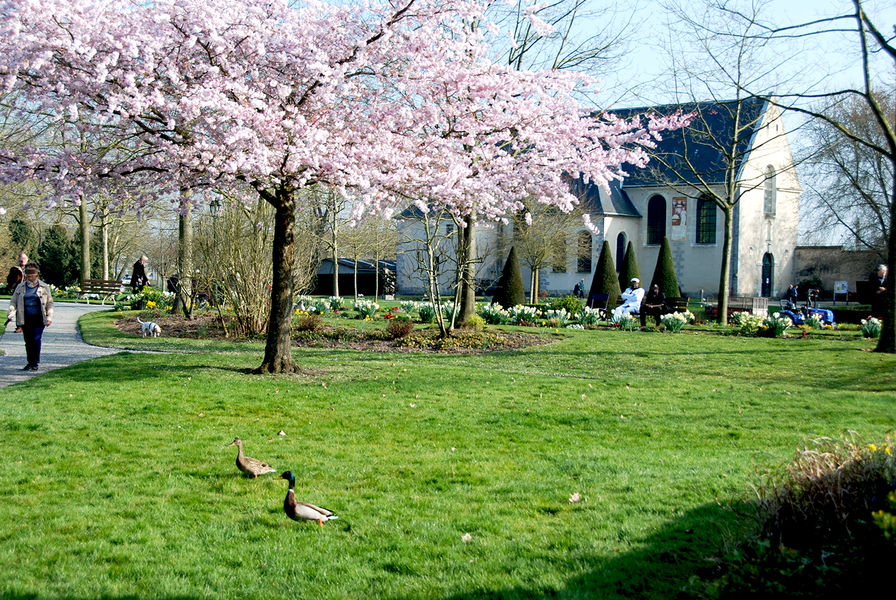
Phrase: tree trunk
x=467 y=271
x=104 y=237
x=278 y=349
x=355 y=279
x=725 y=273
x=334 y=244
x=184 y=262
x=376 y=273
x=887 y=341
x=85 y=241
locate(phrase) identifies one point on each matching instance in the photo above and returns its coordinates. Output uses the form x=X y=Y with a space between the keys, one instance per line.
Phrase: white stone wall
x=697 y=265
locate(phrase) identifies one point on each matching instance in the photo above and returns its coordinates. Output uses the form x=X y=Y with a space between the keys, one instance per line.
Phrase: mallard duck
x=302 y=511
x=249 y=466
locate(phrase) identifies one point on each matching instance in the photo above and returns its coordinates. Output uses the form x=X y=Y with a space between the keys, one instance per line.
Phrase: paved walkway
x=61 y=346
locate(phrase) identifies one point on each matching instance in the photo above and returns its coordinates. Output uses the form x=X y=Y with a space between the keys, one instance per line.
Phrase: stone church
x=667 y=199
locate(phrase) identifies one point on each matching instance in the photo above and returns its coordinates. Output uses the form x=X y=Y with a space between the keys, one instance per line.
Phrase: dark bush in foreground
x=822 y=528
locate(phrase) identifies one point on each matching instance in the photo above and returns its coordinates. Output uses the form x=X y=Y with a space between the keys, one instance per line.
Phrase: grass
x=116 y=483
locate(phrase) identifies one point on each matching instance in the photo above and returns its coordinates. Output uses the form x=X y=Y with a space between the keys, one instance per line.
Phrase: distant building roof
x=347 y=265
x=703 y=142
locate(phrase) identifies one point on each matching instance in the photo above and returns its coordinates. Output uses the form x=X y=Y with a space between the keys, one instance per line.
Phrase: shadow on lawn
x=662 y=568
x=35 y=596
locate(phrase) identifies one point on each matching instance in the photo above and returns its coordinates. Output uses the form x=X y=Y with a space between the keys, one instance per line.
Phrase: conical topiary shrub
x=605 y=281
x=629 y=267
x=509 y=292
x=664 y=274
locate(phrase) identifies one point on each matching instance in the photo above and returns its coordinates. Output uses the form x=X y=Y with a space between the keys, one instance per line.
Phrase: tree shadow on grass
x=662 y=567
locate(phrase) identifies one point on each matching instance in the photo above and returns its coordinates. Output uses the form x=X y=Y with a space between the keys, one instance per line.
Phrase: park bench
x=104 y=288
x=753 y=304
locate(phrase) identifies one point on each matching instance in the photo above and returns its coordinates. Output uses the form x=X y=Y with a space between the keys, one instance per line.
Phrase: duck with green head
x=302 y=511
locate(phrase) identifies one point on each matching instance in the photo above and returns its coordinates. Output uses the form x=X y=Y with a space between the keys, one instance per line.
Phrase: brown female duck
x=248 y=465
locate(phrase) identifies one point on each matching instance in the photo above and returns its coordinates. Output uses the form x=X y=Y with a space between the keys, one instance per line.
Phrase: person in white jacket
x=631 y=300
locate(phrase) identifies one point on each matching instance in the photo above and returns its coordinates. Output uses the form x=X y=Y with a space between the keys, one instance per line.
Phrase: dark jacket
x=138 y=277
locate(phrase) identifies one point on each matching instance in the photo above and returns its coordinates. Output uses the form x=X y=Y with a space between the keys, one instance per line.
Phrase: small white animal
x=149 y=328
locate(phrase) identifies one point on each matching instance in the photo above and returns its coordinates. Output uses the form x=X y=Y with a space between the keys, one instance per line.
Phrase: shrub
x=399 y=328
x=427 y=312
x=570 y=304
x=871 y=328
x=510 y=290
x=475 y=323
x=605 y=280
x=822 y=527
x=629 y=267
x=664 y=273
x=828 y=493
x=309 y=322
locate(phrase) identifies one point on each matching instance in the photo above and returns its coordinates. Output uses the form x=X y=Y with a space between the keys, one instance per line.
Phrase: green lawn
x=451 y=474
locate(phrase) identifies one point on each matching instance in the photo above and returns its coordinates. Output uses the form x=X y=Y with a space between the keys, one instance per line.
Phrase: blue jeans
x=33 y=330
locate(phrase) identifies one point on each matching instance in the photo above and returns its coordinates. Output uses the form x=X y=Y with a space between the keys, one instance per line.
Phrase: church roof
x=599 y=202
x=705 y=142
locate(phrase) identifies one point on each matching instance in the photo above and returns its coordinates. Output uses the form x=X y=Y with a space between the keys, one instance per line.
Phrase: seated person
x=631 y=300
x=654 y=304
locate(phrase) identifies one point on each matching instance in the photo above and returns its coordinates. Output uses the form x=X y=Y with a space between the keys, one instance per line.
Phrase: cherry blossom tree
x=397 y=101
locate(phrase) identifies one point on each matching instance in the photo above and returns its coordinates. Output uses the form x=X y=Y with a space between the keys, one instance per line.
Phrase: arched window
x=621 y=244
x=584 y=255
x=656 y=220
x=771 y=190
x=768 y=275
x=706 y=221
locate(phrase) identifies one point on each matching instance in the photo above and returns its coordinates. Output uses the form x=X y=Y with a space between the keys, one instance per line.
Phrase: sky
x=818 y=63
x=827 y=62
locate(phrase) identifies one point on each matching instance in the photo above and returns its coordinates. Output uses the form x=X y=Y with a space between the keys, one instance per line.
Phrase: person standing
x=31 y=306
x=17 y=272
x=878 y=284
x=138 y=277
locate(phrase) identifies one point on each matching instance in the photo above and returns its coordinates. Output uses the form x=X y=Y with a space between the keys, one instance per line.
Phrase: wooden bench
x=753 y=304
x=104 y=288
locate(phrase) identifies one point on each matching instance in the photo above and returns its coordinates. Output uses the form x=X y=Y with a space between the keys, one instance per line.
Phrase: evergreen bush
x=629 y=267
x=509 y=291
x=664 y=273
x=605 y=280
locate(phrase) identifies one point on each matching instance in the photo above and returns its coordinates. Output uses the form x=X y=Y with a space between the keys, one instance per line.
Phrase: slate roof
x=599 y=202
x=711 y=131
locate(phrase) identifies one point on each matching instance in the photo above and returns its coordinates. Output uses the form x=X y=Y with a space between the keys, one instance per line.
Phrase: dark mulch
x=208 y=326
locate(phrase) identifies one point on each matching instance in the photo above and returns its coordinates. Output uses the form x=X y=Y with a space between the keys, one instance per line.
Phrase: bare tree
x=541 y=235
x=852 y=188
x=875 y=51
x=715 y=59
